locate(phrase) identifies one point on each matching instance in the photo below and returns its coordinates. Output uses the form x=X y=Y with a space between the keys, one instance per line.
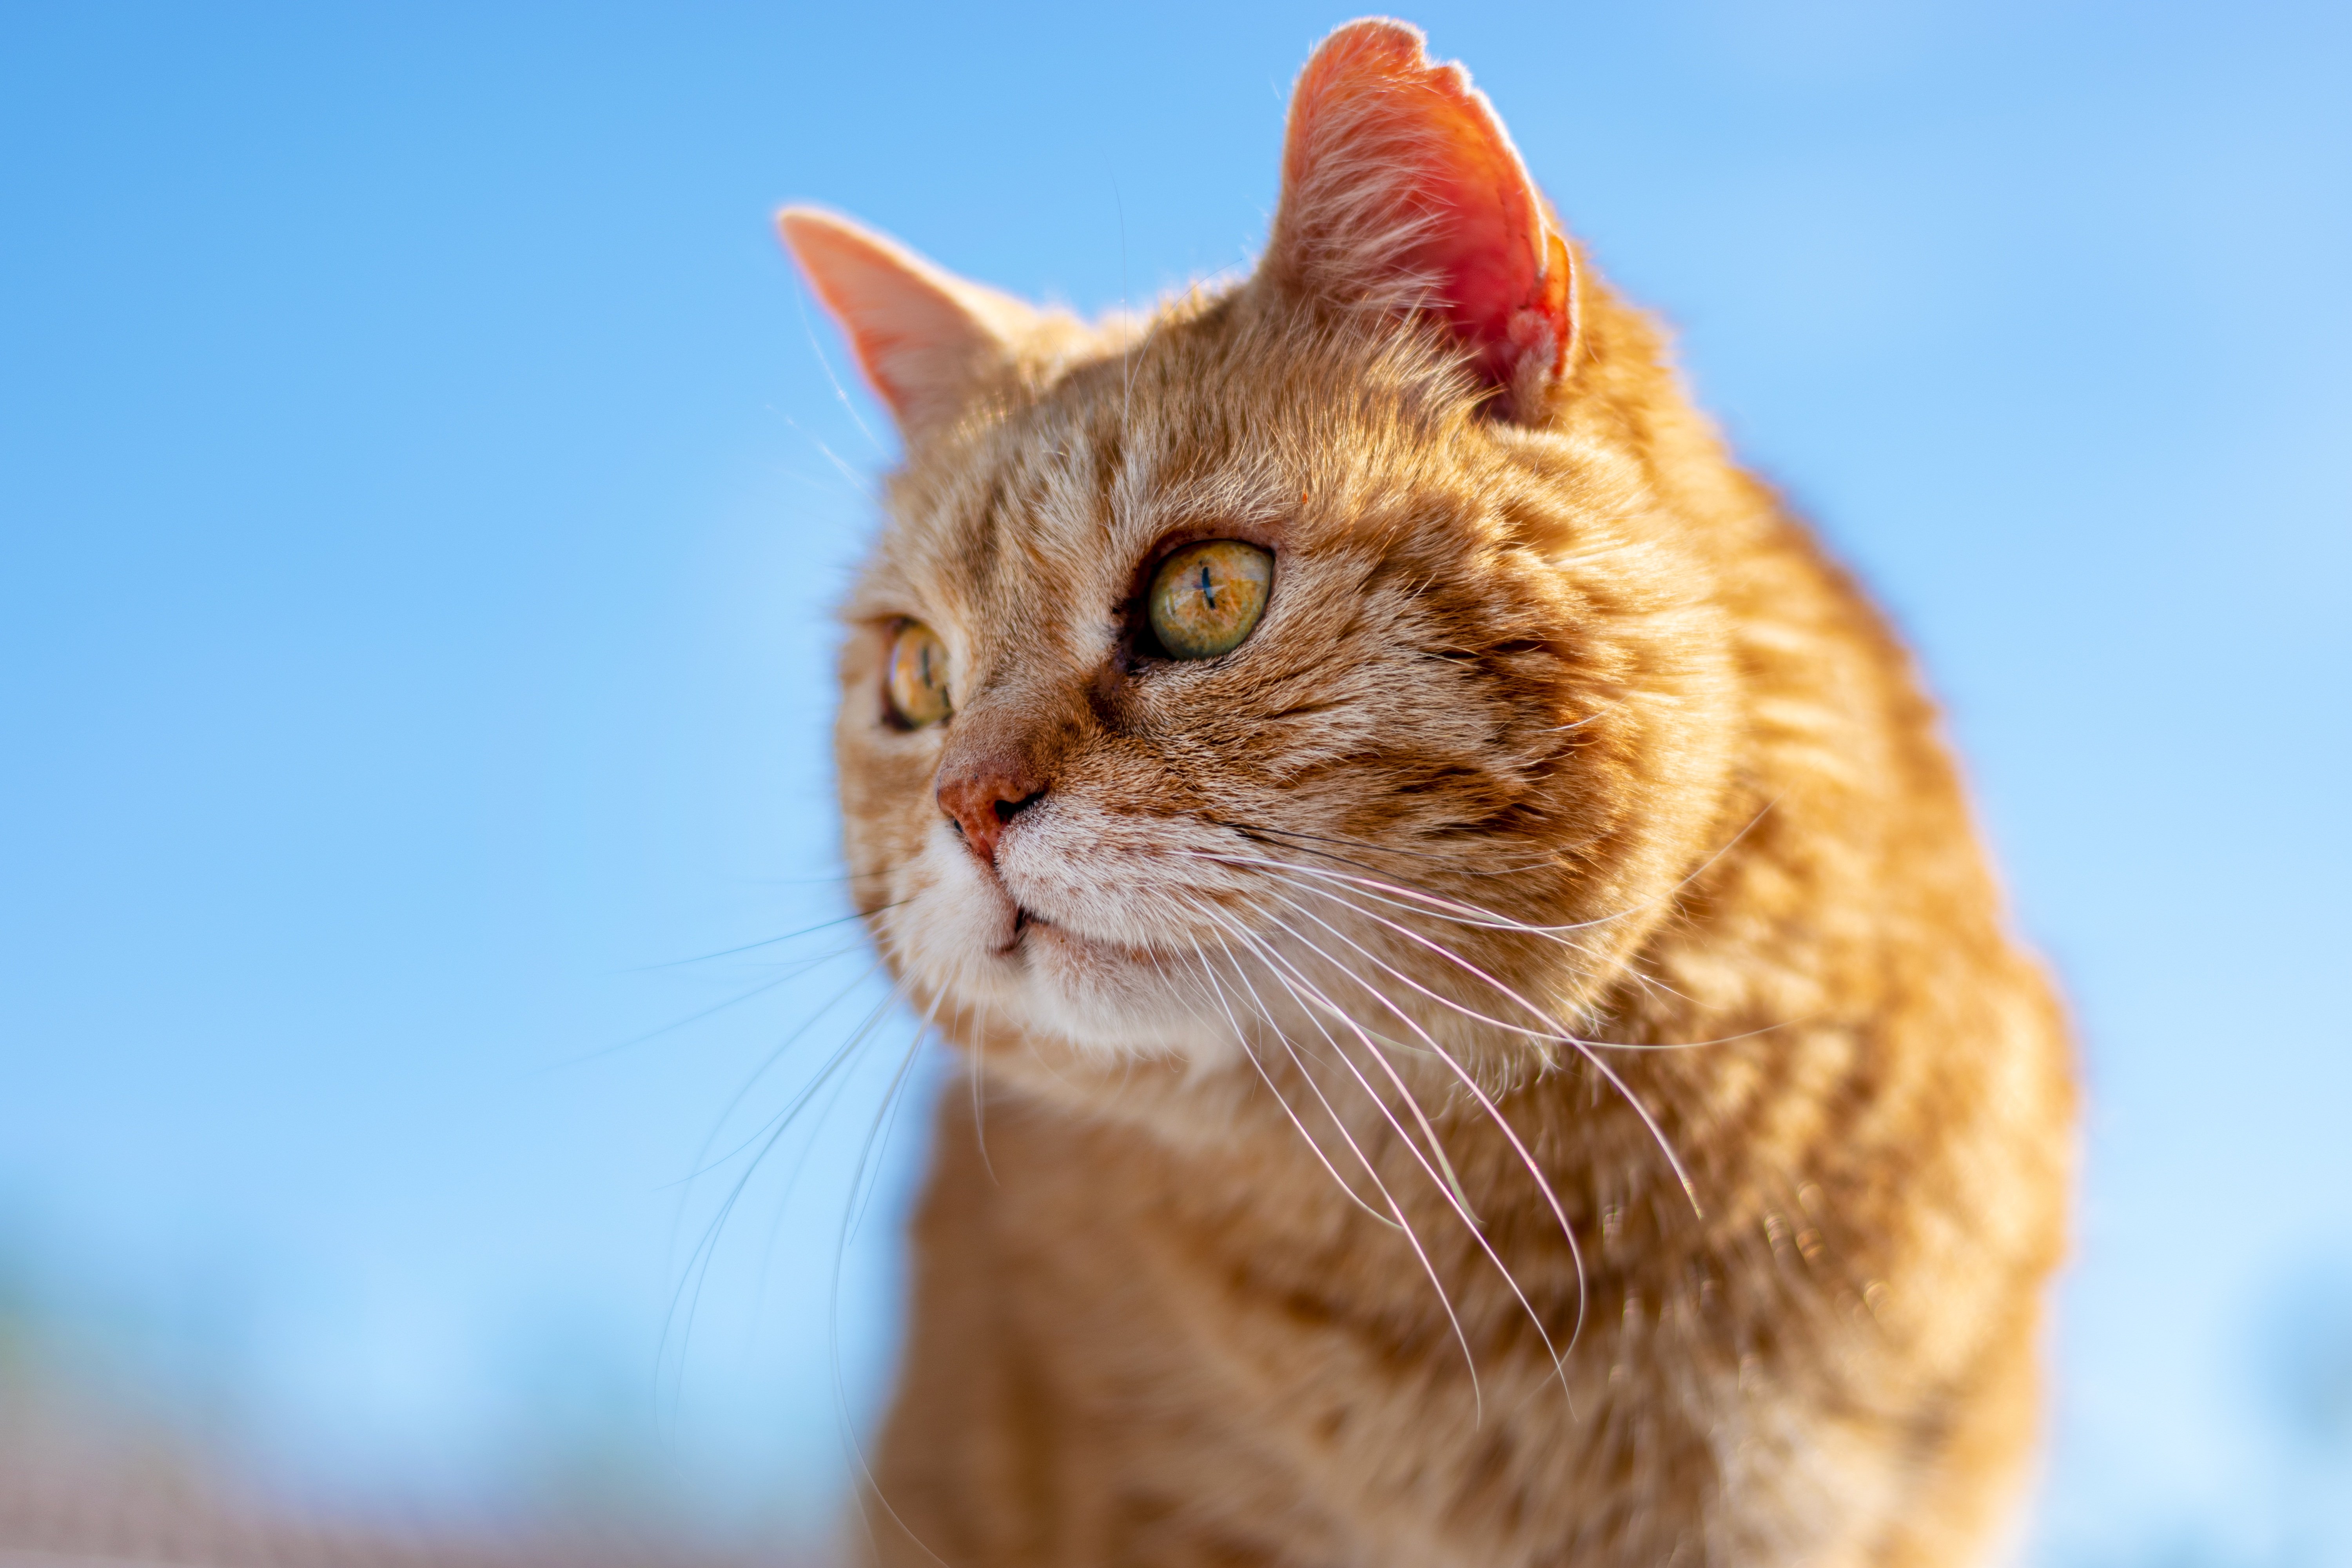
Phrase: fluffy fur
x=1521 y=1061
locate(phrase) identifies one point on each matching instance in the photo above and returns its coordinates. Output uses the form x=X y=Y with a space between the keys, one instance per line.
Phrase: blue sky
x=421 y=487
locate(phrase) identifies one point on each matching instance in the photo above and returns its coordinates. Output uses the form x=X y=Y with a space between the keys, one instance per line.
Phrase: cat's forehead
x=1198 y=429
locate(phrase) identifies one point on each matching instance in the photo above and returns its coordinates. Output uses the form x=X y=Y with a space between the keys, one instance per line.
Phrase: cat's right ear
x=927 y=340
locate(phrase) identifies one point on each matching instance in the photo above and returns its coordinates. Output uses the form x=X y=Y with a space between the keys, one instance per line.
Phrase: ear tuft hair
x=1402 y=192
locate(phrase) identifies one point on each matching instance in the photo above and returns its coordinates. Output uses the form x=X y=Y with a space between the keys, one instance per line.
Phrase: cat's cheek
x=965 y=913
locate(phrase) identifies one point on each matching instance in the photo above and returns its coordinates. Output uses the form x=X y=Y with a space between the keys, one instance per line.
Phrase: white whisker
x=1559 y=1034
x=1428 y=1266
x=1454 y=1195
x=1494 y=1112
x=862 y=1183
x=1312 y=1142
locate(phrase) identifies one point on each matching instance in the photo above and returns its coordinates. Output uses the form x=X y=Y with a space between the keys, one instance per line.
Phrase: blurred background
x=422 y=484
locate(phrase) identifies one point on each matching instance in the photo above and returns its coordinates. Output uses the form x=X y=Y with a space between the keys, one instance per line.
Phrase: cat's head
x=1278 y=664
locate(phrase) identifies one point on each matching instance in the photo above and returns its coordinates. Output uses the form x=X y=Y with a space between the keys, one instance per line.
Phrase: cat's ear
x=1402 y=192
x=926 y=339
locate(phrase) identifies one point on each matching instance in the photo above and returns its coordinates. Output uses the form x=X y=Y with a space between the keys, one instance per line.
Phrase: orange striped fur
x=1521 y=1062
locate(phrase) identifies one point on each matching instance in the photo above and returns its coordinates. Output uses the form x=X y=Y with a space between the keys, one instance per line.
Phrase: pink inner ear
x=894 y=316
x=924 y=337
x=1383 y=134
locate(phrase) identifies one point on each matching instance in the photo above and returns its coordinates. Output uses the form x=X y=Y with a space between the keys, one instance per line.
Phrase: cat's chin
x=1098 y=997
x=1046 y=940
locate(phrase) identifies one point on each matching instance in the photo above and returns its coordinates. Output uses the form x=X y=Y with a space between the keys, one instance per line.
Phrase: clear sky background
x=422 y=488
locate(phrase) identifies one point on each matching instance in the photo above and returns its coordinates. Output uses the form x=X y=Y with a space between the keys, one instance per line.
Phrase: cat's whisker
x=1556 y=1034
x=1452 y=1181
x=974 y=1059
x=702 y=1164
x=1275 y=964
x=772 y=941
x=1241 y=975
x=861 y=1192
x=1416 y=899
x=1313 y=1143
x=1469 y=1081
x=697 y=1270
x=861 y=1189
x=857 y=482
x=1258 y=830
x=1402 y=895
x=1651 y=983
x=1559 y=1034
x=1563 y=728
x=1450 y=1186
x=1502 y=1124
x=1471 y=1226
x=1504 y=922
x=794 y=971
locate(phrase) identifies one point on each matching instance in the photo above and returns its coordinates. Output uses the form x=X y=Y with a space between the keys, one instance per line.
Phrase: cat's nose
x=981 y=794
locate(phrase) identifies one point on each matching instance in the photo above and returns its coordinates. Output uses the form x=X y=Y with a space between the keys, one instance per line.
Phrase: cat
x=1491 y=1038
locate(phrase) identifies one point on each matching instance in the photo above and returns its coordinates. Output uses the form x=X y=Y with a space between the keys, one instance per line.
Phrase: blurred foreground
x=122 y=1442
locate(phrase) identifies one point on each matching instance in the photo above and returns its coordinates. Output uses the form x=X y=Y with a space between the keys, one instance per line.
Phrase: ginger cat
x=1499 y=1045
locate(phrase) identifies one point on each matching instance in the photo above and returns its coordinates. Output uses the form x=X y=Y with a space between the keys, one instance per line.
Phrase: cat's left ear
x=1402 y=192
x=927 y=341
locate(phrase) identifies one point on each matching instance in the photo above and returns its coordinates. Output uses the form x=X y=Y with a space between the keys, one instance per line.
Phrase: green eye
x=919 y=675
x=1206 y=598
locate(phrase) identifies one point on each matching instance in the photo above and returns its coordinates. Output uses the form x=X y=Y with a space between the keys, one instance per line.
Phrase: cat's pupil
x=1207 y=591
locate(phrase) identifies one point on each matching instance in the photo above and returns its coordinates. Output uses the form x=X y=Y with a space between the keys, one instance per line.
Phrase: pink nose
x=981 y=794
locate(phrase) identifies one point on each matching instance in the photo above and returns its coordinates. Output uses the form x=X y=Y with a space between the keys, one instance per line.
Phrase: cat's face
x=1437 y=705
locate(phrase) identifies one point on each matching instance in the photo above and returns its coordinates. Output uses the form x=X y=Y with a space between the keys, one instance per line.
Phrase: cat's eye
x=919 y=675
x=1206 y=599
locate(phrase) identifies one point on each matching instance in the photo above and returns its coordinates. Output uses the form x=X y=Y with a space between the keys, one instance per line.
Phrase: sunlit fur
x=1315 y=1205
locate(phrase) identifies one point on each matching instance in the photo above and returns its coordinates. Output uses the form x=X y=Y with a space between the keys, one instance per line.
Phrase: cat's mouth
x=1026 y=927
x=1030 y=931
x=1029 y=926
